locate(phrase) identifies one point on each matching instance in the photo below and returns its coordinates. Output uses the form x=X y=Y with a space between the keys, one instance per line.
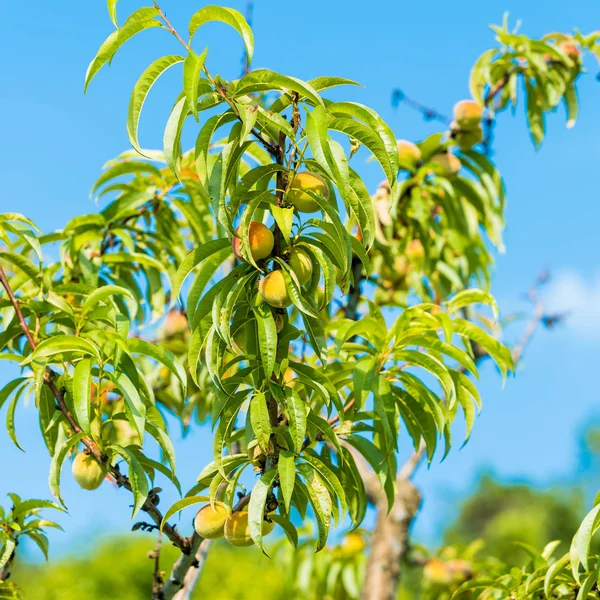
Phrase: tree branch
x=149 y=505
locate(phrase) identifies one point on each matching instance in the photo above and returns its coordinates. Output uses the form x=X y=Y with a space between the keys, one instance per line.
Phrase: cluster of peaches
x=465 y=130
x=272 y=287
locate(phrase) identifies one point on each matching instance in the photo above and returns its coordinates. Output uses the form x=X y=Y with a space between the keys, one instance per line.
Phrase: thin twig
x=157 y=581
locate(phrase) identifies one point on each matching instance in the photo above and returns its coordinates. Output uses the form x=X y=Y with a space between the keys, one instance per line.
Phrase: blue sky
x=56 y=141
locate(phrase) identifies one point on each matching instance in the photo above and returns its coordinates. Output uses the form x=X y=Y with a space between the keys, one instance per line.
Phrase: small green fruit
x=301 y=265
x=88 y=472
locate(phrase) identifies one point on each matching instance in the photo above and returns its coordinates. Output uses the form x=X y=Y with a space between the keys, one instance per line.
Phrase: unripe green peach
x=237 y=532
x=301 y=265
x=446 y=165
x=468 y=114
x=274 y=291
x=466 y=139
x=409 y=154
x=87 y=471
x=210 y=521
x=304 y=182
x=261 y=241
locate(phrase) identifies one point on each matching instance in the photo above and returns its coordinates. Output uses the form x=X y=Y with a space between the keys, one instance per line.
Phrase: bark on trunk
x=390 y=543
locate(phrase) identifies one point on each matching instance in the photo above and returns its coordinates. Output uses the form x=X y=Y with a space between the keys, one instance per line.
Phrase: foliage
x=290 y=383
x=504 y=514
x=22 y=521
x=119 y=567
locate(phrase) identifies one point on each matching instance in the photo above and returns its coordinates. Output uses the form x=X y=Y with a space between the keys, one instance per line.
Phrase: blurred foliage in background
x=499 y=513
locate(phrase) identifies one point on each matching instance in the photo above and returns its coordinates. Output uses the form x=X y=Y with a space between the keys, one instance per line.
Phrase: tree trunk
x=390 y=543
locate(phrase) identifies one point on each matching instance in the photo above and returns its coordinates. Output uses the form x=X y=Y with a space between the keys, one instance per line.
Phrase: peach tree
x=314 y=325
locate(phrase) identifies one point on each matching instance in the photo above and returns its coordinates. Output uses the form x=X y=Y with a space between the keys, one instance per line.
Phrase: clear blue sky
x=56 y=140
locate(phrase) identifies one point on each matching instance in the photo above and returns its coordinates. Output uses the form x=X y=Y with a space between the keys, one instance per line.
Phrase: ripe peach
x=353 y=544
x=468 y=114
x=446 y=165
x=301 y=265
x=237 y=532
x=415 y=250
x=409 y=154
x=571 y=49
x=436 y=572
x=304 y=182
x=261 y=241
x=176 y=324
x=87 y=471
x=274 y=291
x=210 y=522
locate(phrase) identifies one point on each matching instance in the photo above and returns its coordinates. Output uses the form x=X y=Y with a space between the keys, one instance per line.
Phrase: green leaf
x=287 y=476
x=472 y=296
x=193 y=259
x=256 y=506
x=580 y=545
x=82 y=390
x=192 y=68
x=284 y=217
x=321 y=502
x=104 y=292
x=135 y=407
x=140 y=92
x=553 y=571
x=267 y=337
x=29 y=505
x=172 y=135
x=61 y=344
x=112 y=11
x=571 y=104
x=137 y=478
x=141 y=19
x=297 y=418
x=260 y=421
x=24 y=264
x=164 y=442
x=10 y=418
x=226 y=15
x=162 y=355
x=9 y=547
x=263 y=79
x=316 y=333
x=180 y=505
x=56 y=465
x=287 y=526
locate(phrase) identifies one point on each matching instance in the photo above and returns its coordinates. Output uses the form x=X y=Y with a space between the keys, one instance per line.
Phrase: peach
x=446 y=165
x=304 y=182
x=301 y=264
x=261 y=241
x=88 y=472
x=468 y=114
x=273 y=290
x=209 y=522
x=237 y=532
x=409 y=154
